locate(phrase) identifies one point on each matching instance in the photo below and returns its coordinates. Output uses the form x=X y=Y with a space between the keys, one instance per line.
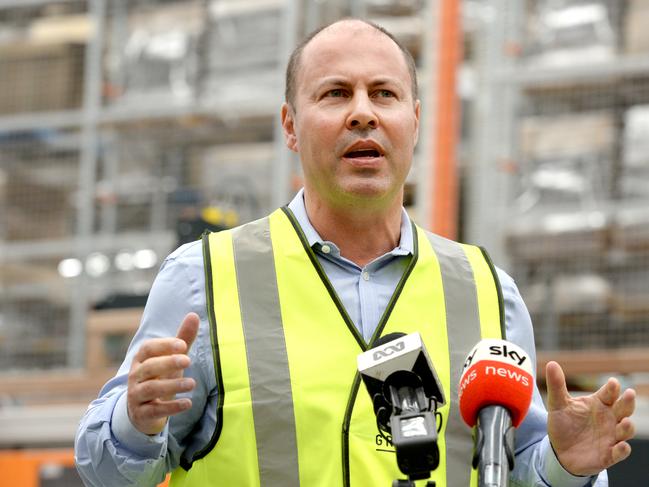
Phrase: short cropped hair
x=296 y=56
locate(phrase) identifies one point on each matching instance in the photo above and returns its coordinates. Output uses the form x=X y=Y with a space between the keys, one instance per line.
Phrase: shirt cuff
x=132 y=439
x=555 y=474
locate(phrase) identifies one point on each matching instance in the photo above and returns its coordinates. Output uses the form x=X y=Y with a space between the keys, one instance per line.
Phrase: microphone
x=405 y=390
x=495 y=393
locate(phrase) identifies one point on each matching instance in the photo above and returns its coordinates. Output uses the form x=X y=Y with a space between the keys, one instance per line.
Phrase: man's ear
x=288 y=124
x=417 y=113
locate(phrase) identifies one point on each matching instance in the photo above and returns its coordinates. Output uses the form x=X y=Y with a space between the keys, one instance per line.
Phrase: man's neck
x=362 y=234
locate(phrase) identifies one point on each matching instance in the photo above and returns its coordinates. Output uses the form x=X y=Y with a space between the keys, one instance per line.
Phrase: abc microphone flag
x=496 y=373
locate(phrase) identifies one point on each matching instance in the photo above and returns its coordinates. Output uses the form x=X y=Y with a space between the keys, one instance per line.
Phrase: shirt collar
x=298 y=208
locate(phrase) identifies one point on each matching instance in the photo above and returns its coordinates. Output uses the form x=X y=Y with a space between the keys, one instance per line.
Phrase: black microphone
x=405 y=390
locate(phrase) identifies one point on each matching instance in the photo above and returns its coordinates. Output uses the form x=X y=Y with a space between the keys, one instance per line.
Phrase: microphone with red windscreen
x=495 y=393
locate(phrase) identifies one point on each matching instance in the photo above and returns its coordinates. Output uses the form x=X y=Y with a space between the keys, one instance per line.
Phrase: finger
x=625 y=405
x=167 y=366
x=624 y=430
x=620 y=452
x=162 y=388
x=558 y=395
x=189 y=329
x=161 y=409
x=609 y=392
x=156 y=347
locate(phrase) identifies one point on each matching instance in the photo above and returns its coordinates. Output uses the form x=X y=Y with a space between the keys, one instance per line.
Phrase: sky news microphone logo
x=490 y=369
x=501 y=351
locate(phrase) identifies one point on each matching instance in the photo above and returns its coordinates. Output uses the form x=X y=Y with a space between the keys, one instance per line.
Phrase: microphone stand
x=494 y=447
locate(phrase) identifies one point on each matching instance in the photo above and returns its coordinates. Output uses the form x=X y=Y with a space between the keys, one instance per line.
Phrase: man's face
x=354 y=122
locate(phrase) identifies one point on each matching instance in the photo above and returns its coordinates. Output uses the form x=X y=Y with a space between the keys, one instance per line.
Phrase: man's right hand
x=156 y=376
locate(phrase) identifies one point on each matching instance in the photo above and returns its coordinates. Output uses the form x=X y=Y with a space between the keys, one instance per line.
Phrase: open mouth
x=362 y=153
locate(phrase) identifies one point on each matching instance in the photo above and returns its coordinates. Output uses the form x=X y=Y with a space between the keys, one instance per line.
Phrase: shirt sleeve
x=109 y=450
x=536 y=463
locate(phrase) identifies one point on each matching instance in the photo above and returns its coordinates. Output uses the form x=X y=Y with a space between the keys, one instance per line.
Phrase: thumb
x=558 y=395
x=189 y=329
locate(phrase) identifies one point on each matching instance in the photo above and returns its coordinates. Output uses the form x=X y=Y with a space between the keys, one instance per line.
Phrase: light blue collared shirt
x=111 y=452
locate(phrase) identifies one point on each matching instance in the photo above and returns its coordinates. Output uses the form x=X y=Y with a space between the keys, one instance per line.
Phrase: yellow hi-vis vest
x=292 y=410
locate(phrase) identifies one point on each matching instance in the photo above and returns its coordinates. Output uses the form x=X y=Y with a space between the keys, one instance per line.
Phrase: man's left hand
x=588 y=433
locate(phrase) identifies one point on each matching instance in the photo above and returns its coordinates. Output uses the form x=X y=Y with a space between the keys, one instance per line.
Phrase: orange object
x=444 y=214
x=23 y=467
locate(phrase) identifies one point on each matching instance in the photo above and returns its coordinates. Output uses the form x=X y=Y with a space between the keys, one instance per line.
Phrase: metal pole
x=491 y=119
x=87 y=174
x=428 y=80
x=28 y=3
x=110 y=167
x=282 y=171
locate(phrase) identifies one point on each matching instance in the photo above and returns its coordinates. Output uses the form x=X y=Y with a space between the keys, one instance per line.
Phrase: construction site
x=129 y=127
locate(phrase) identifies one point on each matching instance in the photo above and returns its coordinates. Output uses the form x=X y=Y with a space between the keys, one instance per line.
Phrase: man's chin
x=370 y=194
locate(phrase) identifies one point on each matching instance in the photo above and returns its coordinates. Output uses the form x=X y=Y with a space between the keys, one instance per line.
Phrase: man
x=274 y=313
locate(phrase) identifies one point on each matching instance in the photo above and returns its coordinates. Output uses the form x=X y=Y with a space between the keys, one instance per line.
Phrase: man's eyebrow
x=332 y=81
x=339 y=81
x=387 y=81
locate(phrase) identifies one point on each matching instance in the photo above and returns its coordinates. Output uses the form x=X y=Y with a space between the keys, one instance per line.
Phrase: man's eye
x=337 y=93
x=385 y=94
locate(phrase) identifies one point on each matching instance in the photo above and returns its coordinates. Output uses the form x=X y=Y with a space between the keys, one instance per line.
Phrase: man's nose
x=361 y=114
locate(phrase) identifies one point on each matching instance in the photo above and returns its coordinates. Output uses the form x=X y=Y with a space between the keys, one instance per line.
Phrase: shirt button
x=366 y=276
x=325 y=249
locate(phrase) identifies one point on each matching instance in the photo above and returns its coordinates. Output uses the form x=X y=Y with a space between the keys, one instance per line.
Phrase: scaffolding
x=560 y=171
x=126 y=128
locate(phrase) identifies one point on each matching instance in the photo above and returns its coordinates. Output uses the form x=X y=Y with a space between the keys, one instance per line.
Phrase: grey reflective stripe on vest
x=463 y=329
x=270 y=383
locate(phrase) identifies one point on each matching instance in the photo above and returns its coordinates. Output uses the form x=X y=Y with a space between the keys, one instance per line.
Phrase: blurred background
x=127 y=127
